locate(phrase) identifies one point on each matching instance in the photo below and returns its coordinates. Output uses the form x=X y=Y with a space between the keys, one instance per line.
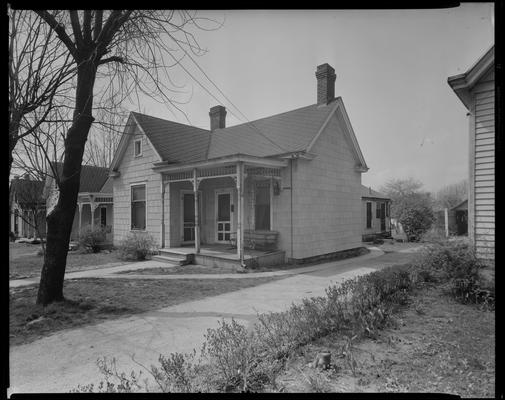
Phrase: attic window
x=137 y=145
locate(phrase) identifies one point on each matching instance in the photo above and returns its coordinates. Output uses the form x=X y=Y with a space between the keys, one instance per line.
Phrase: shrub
x=92 y=238
x=454 y=263
x=12 y=236
x=137 y=246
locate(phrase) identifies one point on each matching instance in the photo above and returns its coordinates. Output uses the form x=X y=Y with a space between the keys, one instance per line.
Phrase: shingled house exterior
x=290 y=182
x=475 y=88
x=94 y=202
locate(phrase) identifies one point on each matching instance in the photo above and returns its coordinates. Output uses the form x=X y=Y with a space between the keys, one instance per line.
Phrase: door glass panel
x=223 y=207
x=189 y=207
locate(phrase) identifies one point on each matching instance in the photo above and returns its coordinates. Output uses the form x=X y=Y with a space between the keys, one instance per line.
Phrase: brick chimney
x=217 y=118
x=325 y=75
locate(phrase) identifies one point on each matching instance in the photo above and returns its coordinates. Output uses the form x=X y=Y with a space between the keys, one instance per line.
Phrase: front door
x=383 y=217
x=188 y=219
x=224 y=209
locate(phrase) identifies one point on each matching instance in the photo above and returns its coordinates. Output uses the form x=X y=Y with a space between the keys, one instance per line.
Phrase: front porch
x=222 y=255
x=222 y=211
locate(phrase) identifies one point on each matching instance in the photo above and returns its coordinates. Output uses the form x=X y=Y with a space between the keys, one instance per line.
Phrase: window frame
x=135 y=185
x=139 y=141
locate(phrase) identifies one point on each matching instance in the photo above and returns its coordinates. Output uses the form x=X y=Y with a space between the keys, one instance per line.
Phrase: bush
x=12 y=236
x=454 y=263
x=92 y=238
x=137 y=246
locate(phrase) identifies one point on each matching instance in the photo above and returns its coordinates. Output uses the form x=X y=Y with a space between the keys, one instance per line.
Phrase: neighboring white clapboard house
x=475 y=88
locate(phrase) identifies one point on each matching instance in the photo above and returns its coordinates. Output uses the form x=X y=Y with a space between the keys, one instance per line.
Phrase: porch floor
x=218 y=250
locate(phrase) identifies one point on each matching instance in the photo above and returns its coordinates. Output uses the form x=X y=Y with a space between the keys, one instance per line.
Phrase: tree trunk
x=59 y=221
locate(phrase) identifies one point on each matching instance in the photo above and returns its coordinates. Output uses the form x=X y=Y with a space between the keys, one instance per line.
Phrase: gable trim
x=348 y=129
x=148 y=141
x=123 y=144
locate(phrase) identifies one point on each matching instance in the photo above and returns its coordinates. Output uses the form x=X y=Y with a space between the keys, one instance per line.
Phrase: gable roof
x=463 y=83
x=280 y=134
x=92 y=178
x=174 y=142
x=368 y=192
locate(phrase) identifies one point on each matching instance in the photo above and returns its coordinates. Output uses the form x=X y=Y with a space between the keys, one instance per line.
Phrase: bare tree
x=39 y=73
x=104 y=137
x=122 y=52
x=452 y=195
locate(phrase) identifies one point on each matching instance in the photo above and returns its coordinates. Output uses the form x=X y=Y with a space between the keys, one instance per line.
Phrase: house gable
x=132 y=130
x=340 y=114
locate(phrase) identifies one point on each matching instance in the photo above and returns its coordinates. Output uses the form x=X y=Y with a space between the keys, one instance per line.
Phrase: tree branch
x=59 y=29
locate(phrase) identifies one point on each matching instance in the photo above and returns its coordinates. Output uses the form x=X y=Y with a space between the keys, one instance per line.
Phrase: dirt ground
x=436 y=346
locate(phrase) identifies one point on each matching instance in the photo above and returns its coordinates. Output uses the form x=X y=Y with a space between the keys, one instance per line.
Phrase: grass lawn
x=29 y=265
x=437 y=345
x=94 y=300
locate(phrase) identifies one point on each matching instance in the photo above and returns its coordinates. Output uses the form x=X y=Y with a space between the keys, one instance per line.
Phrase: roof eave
x=220 y=161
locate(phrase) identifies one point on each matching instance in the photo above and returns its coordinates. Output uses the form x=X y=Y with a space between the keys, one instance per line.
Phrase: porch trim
x=221 y=161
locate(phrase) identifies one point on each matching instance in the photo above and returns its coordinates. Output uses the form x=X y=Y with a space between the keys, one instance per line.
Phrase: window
x=378 y=210
x=138 y=207
x=138 y=147
x=388 y=210
x=368 y=214
x=262 y=206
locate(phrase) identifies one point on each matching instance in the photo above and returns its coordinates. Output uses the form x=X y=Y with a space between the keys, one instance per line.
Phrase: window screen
x=138 y=207
x=262 y=206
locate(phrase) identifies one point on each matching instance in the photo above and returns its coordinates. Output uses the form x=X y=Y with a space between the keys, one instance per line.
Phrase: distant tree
x=397 y=190
x=452 y=195
x=410 y=206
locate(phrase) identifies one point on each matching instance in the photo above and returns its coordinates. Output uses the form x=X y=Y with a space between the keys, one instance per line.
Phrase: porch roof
x=221 y=162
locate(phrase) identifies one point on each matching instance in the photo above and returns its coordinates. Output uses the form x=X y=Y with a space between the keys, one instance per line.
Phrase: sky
x=392 y=68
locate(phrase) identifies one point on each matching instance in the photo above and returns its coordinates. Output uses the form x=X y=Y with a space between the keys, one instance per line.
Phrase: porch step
x=177 y=258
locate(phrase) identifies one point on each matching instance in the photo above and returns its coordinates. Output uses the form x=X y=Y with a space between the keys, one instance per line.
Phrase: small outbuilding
x=376 y=214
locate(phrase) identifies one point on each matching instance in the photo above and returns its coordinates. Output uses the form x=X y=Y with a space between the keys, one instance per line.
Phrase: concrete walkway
x=60 y=362
x=112 y=272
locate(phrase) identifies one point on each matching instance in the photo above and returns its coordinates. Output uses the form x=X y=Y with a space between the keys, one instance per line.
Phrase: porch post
x=93 y=207
x=197 y=216
x=240 y=215
x=79 y=204
x=162 y=235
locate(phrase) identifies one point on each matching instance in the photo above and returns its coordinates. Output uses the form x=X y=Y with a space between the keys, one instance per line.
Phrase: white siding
x=327 y=197
x=482 y=173
x=137 y=170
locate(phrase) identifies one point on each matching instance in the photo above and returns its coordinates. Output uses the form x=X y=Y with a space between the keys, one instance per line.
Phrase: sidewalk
x=112 y=272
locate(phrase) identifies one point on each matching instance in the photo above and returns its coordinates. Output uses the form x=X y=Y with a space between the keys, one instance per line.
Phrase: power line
x=226 y=97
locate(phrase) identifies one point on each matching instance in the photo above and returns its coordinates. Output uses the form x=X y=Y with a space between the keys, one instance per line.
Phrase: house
x=27 y=208
x=94 y=199
x=376 y=214
x=475 y=88
x=290 y=182
x=457 y=219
